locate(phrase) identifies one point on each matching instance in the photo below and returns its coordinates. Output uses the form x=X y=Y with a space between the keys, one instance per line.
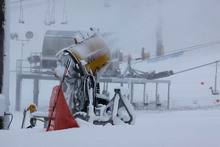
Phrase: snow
x=157 y=129
x=130 y=25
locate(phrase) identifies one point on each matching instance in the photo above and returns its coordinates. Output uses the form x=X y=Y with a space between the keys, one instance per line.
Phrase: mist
x=130 y=25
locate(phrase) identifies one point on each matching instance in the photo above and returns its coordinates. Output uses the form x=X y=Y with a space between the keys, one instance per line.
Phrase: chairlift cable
x=32 y=5
x=196 y=67
x=186 y=49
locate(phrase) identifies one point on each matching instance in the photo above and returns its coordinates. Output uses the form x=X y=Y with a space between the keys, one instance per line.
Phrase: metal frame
x=130 y=81
x=33 y=76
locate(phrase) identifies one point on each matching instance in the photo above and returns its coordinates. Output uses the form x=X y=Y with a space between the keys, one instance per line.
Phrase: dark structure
x=2 y=19
x=53 y=42
x=3 y=119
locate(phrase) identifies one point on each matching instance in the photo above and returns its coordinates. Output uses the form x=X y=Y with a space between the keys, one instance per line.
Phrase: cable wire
x=196 y=67
x=33 y=4
x=186 y=49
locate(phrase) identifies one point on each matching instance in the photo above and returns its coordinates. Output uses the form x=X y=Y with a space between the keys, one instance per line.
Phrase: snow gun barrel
x=92 y=53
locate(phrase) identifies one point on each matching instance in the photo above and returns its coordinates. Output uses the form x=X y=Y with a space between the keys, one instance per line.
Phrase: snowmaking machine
x=79 y=68
x=85 y=62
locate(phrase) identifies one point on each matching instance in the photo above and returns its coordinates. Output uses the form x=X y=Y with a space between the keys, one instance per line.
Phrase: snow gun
x=79 y=68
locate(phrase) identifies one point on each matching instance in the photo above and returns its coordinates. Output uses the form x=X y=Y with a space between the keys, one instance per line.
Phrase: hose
x=11 y=119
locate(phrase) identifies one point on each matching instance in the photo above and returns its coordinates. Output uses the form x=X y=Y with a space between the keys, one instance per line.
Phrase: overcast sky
x=132 y=23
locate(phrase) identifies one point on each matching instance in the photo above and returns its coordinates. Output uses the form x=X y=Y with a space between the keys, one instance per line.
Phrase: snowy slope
x=186 y=87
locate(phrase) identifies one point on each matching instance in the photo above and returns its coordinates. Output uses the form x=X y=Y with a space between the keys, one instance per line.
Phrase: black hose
x=10 y=121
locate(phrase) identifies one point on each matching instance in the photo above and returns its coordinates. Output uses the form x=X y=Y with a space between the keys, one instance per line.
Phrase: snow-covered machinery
x=85 y=61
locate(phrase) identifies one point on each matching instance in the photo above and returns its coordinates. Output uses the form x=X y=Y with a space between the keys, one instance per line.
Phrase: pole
x=18 y=93
x=36 y=91
x=216 y=72
x=22 y=51
x=144 y=93
x=168 y=97
x=6 y=72
x=2 y=19
x=156 y=93
x=132 y=93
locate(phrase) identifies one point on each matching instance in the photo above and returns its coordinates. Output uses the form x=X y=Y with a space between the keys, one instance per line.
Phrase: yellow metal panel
x=95 y=52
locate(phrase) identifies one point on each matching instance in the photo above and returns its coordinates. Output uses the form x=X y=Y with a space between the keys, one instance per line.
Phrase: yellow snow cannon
x=93 y=53
x=79 y=67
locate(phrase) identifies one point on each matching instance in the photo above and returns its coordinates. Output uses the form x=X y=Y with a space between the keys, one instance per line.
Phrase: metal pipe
x=18 y=93
x=156 y=93
x=168 y=97
x=36 y=91
x=132 y=93
x=144 y=94
x=216 y=72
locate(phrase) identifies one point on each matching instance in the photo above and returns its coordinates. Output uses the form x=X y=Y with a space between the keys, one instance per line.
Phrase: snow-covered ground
x=132 y=25
x=156 y=129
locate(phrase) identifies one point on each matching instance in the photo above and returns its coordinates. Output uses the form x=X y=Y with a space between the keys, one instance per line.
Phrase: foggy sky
x=132 y=23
